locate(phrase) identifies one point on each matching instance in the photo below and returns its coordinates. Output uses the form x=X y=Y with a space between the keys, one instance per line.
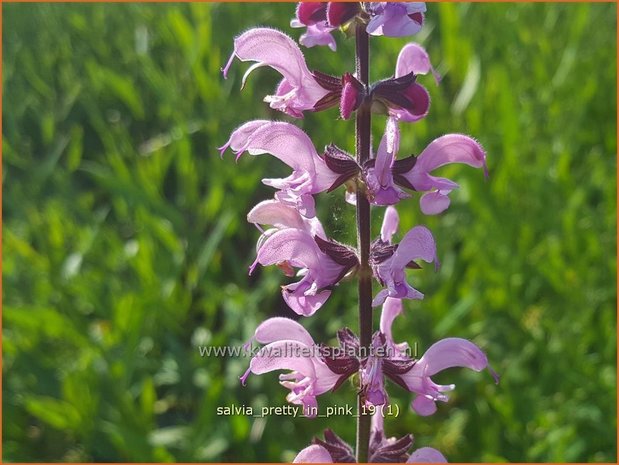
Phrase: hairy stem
x=363 y=140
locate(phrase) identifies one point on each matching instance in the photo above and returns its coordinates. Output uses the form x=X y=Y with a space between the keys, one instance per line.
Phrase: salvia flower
x=446 y=353
x=321 y=19
x=291 y=145
x=413 y=58
x=385 y=176
x=282 y=216
x=405 y=99
x=395 y=19
x=392 y=360
x=299 y=90
x=288 y=346
x=390 y=261
x=322 y=265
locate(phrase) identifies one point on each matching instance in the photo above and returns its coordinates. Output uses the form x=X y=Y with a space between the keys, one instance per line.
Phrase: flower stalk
x=293 y=238
x=363 y=140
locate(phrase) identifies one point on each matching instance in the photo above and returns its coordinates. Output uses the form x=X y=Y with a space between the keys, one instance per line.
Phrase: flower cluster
x=293 y=238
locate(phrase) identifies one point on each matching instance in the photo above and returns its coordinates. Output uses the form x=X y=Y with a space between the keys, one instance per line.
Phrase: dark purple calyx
x=331 y=83
x=400 y=168
x=393 y=92
x=383 y=451
x=339 y=13
x=339 y=451
x=353 y=94
x=341 y=163
x=342 y=360
x=310 y=13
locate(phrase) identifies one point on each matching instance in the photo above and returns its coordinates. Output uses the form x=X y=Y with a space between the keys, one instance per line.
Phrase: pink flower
x=386 y=176
x=446 y=353
x=291 y=145
x=395 y=19
x=405 y=98
x=299 y=90
x=389 y=262
x=322 y=265
x=321 y=19
x=290 y=347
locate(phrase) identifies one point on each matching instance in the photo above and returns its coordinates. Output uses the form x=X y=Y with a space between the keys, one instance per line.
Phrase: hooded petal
x=286 y=142
x=418 y=243
x=446 y=353
x=291 y=245
x=282 y=216
x=283 y=355
x=453 y=352
x=291 y=145
x=426 y=455
x=313 y=454
x=278 y=328
x=240 y=136
x=272 y=48
x=451 y=148
x=413 y=58
x=269 y=47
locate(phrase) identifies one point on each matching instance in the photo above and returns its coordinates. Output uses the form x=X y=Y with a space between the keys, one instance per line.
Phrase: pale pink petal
x=414 y=58
x=276 y=214
x=424 y=406
x=451 y=148
x=426 y=455
x=325 y=378
x=278 y=328
x=272 y=48
x=379 y=179
x=390 y=224
x=386 y=152
x=313 y=454
x=391 y=309
x=293 y=245
x=301 y=303
x=286 y=142
x=380 y=297
x=240 y=136
x=269 y=47
x=318 y=34
x=433 y=203
x=281 y=216
x=283 y=355
x=453 y=352
x=393 y=19
x=418 y=243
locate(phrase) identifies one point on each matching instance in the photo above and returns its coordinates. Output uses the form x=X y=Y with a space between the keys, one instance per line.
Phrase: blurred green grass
x=125 y=242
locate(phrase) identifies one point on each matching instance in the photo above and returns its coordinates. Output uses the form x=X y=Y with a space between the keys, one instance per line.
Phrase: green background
x=126 y=246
